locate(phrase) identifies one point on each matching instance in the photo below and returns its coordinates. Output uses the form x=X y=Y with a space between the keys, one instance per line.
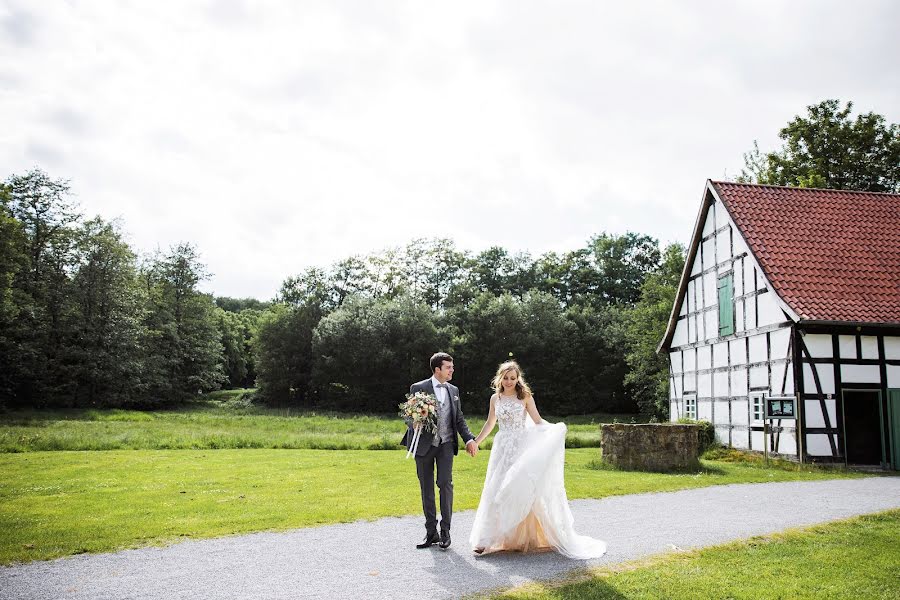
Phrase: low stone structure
x=650 y=446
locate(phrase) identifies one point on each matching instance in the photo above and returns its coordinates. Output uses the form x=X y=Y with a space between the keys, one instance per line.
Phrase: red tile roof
x=831 y=255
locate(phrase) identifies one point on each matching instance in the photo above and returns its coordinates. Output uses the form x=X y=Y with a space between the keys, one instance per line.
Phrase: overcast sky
x=280 y=135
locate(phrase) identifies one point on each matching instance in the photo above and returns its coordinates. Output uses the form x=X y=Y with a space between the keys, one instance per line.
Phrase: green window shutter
x=726 y=305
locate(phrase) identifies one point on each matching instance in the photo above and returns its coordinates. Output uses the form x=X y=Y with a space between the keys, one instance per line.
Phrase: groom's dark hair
x=438 y=359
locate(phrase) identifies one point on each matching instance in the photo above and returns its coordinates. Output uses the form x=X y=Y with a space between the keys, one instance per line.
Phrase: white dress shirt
x=441 y=393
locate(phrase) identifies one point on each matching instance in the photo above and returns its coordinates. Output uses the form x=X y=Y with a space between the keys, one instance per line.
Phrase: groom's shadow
x=462 y=573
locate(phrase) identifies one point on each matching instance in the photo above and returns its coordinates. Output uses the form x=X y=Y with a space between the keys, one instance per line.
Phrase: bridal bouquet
x=421 y=409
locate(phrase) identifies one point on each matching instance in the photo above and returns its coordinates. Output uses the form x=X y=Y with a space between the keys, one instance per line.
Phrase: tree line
x=87 y=321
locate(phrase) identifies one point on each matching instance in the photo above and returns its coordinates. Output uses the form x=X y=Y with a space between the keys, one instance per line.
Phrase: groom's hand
x=472 y=448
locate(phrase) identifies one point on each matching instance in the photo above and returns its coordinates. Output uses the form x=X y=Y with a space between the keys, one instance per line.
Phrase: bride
x=523 y=504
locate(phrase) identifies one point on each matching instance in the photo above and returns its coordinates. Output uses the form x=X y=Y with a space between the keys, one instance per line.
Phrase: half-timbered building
x=792 y=292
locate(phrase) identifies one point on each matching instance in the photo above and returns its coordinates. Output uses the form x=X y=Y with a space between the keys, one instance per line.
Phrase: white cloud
x=281 y=135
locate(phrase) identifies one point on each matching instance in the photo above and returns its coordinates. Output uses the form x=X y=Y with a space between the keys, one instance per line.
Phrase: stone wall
x=651 y=446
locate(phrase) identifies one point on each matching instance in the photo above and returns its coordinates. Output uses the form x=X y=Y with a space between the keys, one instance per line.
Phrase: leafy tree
x=107 y=349
x=648 y=378
x=368 y=351
x=237 y=330
x=12 y=262
x=828 y=149
x=236 y=305
x=185 y=345
x=40 y=371
x=283 y=353
x=623 y=263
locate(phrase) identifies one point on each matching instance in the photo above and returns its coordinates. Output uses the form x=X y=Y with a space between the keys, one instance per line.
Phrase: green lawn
x=61 y=503
x=856 y=558
x=219 y=425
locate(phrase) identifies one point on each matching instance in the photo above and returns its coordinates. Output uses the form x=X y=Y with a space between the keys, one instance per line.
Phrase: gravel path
x=378 y=559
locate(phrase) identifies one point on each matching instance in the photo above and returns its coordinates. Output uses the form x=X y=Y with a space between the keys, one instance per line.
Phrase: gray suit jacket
x=457 y=420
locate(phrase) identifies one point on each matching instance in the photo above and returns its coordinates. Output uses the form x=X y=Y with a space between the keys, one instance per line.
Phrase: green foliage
x=84 y=322
x=828 y=149
x=648 y=377
x=184 y=343
x=368 y=352
x=706 y=433
x=237 y=330
x=283 y=350
x=237 y=305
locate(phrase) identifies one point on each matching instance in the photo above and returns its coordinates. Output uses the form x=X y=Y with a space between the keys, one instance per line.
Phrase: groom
x=439 y=447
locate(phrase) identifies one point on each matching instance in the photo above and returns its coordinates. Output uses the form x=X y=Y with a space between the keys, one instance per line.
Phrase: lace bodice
x=510 y=413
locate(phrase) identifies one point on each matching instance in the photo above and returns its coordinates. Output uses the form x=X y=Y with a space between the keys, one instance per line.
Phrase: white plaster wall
x=739 y=383
x=720 y=354
x=739 y=414
x=704 y=385
x=759 y=377
x=738 y=350
x=723 y=247
x=757 y=440
x=814 y=417
x=710 y=291
x=709 y=253
x=780 y=340
x=721 y=214
x=893 y=376
x=690 y=359
x=819 y=346
x=721 y=416
x=704 y=410
x=709 y=224
x=757 y=348
x=860 y=374
x=826 y=379
x=847 y=346
x=817 y=445
x=720 y=384
x=892 y=348
x=711 y=319
x=704 y=354
x=748 y=276
x=679 y=338
x=777 y=378
x=769 y=311
x=752 y=319
x=690 y=383
x=869 y=345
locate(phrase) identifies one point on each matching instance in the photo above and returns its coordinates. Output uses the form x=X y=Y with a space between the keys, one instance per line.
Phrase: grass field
x=61 y=503
x=856 y=558
x=226 y=422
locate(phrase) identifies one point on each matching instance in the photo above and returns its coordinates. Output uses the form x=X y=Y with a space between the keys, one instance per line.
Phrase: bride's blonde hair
x=522 y=389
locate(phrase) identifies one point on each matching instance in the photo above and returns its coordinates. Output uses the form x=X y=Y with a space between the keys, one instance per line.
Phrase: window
x=757 y=407
x=726 y=304
x=690 y=407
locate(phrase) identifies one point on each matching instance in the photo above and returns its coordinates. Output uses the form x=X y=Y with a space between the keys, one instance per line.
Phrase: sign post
x=778 y=407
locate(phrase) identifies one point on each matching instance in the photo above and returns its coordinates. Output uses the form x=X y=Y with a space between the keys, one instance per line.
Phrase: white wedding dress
x=523 y=504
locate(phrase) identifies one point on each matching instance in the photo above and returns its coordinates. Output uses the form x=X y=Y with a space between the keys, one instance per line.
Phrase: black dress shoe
x=430 y=540
x=445 y=541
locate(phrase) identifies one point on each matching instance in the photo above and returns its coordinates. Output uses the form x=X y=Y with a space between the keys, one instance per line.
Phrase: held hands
x=472 y=448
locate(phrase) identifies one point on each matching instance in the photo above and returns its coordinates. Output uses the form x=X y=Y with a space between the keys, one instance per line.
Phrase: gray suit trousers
x=441 y=455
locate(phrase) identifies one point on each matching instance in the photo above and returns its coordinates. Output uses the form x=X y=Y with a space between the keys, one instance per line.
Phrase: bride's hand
x=472 y=448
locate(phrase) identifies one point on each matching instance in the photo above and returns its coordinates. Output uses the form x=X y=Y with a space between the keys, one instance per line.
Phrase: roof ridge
x=800 y=189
